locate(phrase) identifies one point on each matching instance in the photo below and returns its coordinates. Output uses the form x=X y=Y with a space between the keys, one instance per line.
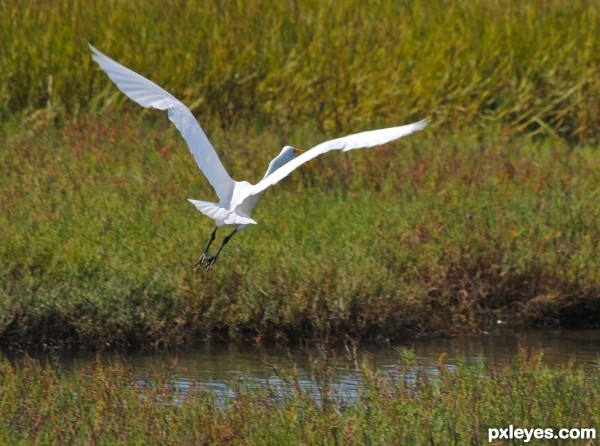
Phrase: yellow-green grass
x=336 y=66
x=108 y=404
x=431 y=234
x=468 y=222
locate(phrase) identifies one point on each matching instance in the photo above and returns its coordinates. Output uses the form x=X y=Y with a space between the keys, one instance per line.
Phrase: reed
x=429 y=235
x=492 y=213
x=532 y=67
x=108 y=403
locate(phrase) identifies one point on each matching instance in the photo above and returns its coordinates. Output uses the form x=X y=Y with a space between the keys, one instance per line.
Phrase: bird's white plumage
x=222 y=215
x=236 y=198
x=149 y=95
x=357 y=141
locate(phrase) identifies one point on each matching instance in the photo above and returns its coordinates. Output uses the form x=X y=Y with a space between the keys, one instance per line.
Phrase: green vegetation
x=491 y=213
x=336 y=66
x=421 y=236
x=109 y=404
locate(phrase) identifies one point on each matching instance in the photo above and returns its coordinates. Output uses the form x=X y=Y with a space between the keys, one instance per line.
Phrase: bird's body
x=236 y=198
x=233 y=211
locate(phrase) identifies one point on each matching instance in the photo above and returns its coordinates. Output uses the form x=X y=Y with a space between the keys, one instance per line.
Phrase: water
x=220 y=368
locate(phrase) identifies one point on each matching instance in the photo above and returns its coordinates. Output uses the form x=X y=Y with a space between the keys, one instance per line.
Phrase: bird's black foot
x=210 y=261
x=203 y=258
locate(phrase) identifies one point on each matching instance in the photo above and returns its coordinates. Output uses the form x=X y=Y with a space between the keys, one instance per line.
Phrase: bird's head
x=287 y=154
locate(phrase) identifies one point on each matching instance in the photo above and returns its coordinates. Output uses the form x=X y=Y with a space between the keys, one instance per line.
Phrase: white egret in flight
x=236 y=198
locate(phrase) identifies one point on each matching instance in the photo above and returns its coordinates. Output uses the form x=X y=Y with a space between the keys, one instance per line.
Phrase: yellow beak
x=298 y=152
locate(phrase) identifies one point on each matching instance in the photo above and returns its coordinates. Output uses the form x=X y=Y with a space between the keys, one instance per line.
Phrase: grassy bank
x=109 y=404
x=531 y=66
x=430 y=235
x=490 y=214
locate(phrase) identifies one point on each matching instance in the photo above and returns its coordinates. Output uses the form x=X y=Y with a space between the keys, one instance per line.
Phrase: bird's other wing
x=357 y=141
x=149 y=95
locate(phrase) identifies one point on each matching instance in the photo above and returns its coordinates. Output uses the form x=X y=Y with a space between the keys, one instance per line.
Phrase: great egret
x=236 y=198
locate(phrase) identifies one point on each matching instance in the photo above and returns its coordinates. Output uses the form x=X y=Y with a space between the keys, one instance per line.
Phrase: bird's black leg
x=211 y=260
x=204 y=256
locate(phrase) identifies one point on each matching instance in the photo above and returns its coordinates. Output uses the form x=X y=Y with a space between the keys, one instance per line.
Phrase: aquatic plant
x=108 y=403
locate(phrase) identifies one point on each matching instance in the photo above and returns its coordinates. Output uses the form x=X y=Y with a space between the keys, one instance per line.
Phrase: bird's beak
x=298 y=152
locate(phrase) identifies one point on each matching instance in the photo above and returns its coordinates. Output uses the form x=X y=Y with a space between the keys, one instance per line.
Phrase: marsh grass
x=108 y=403
x=424 y=236
x=478 y=218
x=531 y=66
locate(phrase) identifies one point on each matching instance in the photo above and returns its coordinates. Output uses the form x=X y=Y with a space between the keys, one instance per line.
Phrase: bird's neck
x=273 y=166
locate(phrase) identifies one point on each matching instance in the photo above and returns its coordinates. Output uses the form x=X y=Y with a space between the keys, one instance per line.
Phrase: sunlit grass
x=476 y=219
x=335 y=66
x=108 y=403
x=430 y=234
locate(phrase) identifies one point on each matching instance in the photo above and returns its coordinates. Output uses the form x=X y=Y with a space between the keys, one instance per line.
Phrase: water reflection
x=222 y=369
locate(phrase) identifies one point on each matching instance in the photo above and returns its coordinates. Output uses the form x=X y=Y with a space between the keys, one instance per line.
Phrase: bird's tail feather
x=220 y=214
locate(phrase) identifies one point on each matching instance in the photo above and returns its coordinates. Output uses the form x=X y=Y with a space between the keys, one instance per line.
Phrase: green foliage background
x=491 y=213
x=532 y=66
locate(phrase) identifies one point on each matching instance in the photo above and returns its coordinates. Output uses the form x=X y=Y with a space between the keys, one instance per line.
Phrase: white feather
x=149 y=95
x=357 y=141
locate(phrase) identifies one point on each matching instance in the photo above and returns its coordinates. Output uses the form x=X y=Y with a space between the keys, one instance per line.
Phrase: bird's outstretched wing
x=357 y=141
x=149 y=95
